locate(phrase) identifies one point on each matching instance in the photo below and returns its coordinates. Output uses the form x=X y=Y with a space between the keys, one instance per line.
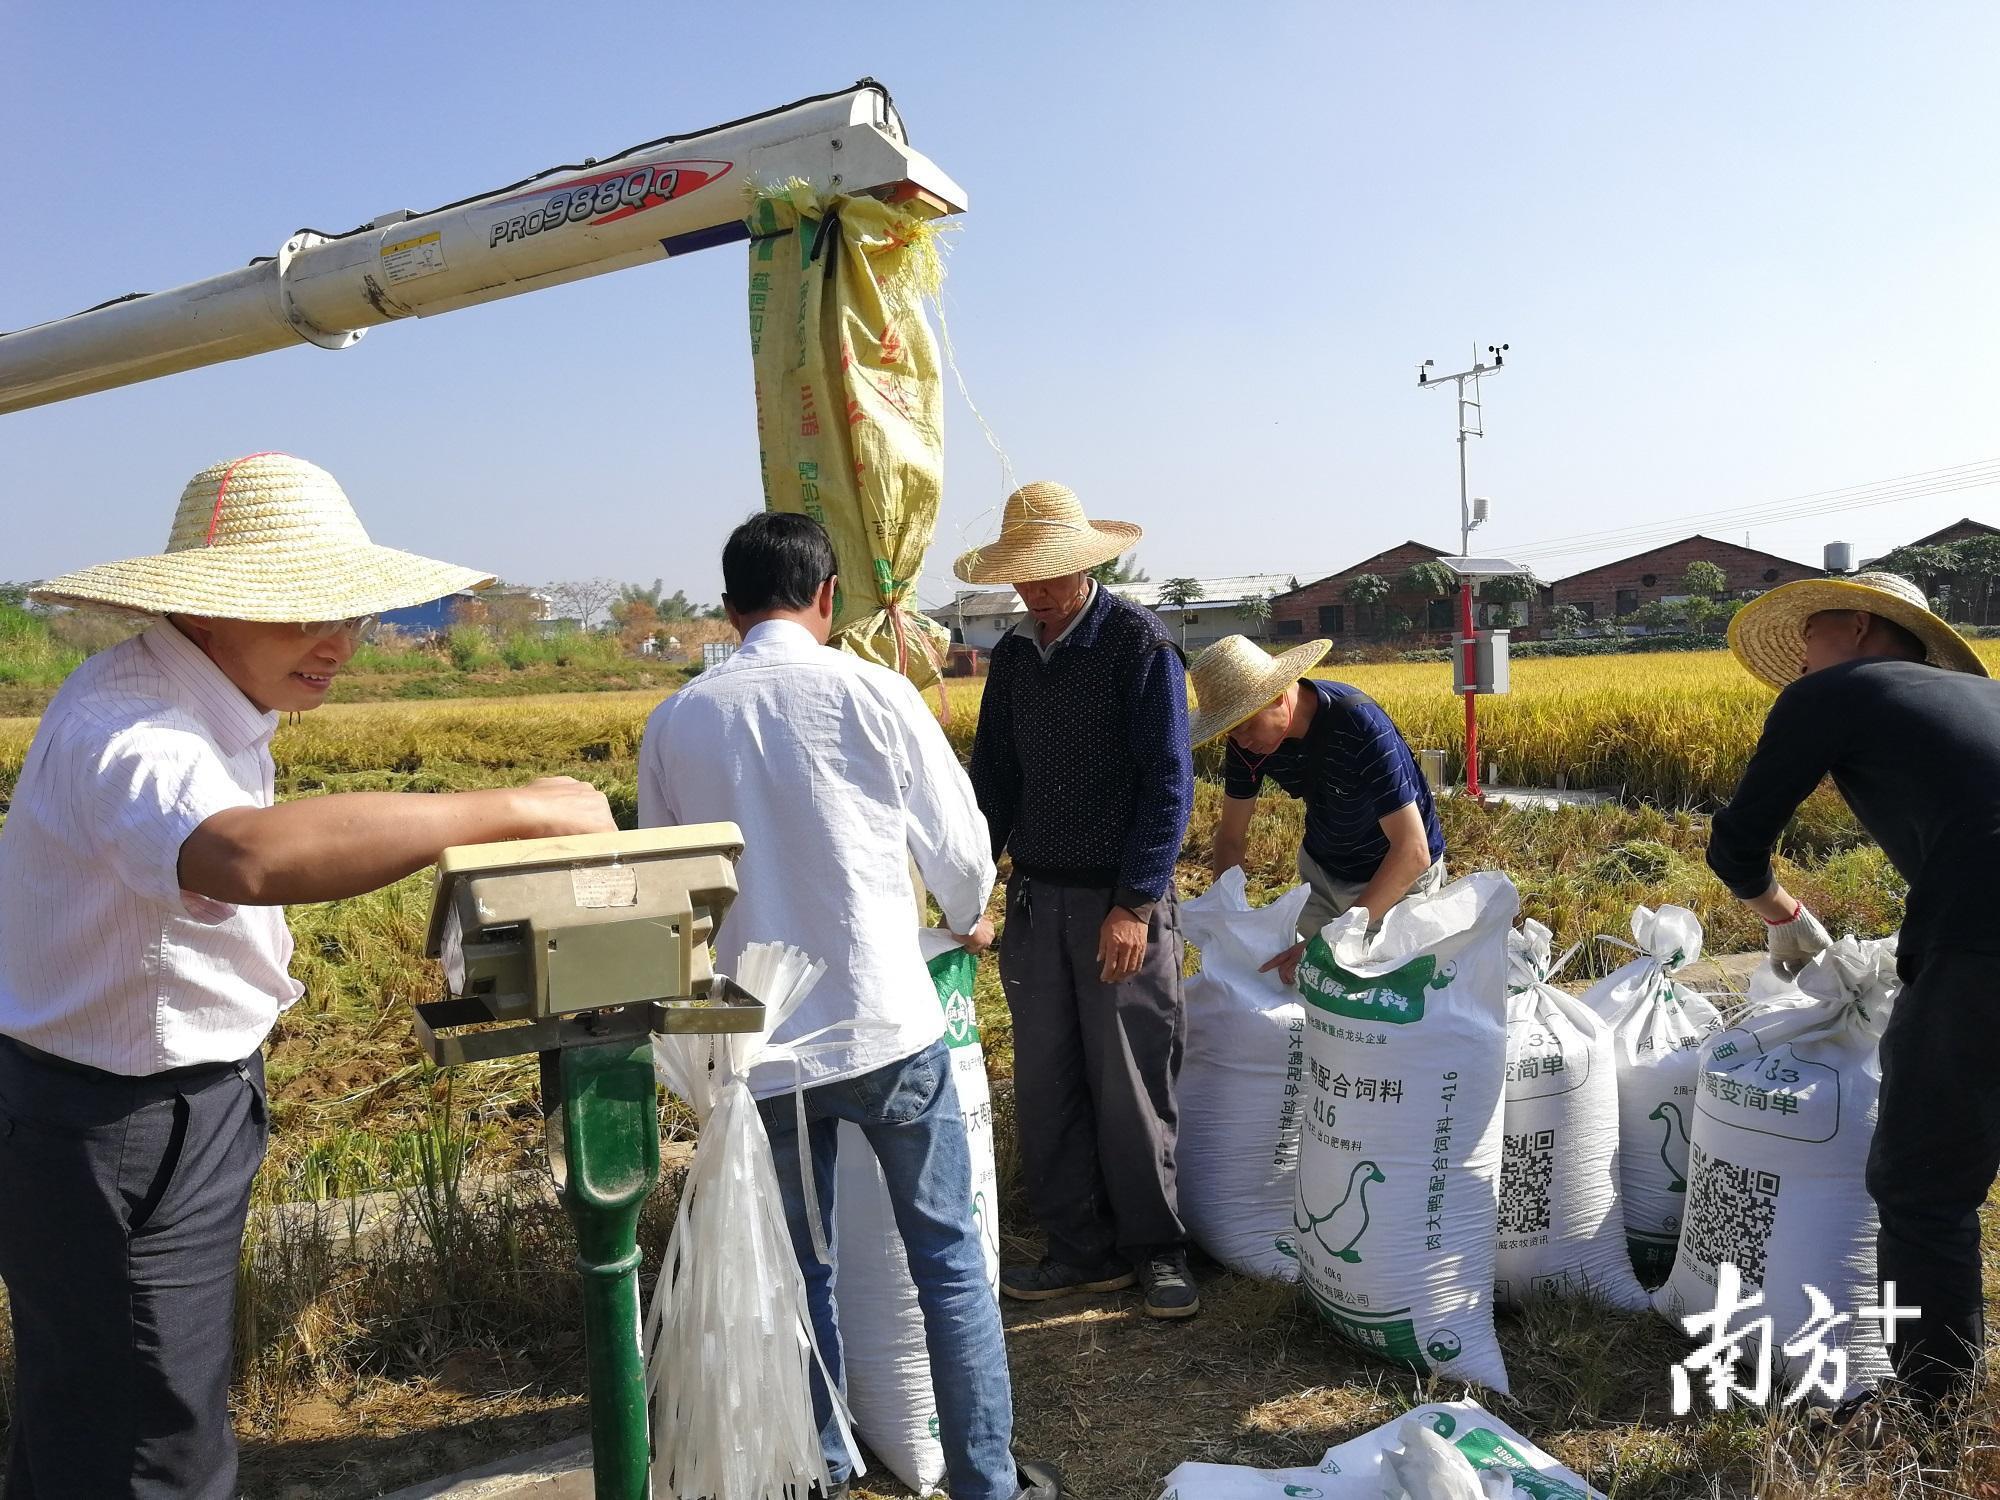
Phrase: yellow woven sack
x=850 y=403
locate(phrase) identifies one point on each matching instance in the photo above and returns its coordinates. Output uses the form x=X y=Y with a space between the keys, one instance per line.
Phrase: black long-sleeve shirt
x=1081 y=762
x=1915 y=750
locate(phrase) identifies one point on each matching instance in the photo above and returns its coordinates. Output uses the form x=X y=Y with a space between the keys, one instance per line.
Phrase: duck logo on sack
x=961 y=1021
x=601 y=198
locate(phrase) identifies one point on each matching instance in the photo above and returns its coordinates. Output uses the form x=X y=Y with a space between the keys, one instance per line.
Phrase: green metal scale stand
x=604 y=1148
x=581 y=950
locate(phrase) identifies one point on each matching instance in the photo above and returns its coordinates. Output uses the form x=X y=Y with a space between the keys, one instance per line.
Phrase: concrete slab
x=560 y=1471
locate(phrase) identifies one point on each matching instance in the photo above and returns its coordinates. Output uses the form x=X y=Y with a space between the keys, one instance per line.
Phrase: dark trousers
x=1094 y=1072
x=122 y=1204
x=1934 y=1159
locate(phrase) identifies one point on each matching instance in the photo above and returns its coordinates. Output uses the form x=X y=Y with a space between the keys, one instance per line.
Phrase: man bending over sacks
x=1886 y=698
x=1372 y=836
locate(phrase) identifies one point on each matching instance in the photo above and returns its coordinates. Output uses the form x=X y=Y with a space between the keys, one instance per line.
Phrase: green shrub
x=471 y=648
x=29 y=654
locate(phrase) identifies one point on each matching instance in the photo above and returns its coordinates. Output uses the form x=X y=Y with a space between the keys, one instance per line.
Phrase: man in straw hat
x=1372 y=835
x=144 y=868
x=1082 y=767
x=1878 y=692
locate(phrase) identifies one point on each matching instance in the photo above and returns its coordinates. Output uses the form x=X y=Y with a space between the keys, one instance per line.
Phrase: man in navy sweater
x=1885 y=697
x=1082 y=767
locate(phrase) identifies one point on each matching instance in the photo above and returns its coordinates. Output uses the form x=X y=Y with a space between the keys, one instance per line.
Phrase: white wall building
x=979 y=617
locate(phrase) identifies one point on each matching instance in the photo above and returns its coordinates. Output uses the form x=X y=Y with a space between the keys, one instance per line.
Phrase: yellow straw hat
x=1045 y=534
x=1236 y=677
x=1768 y=633
x=266 y=537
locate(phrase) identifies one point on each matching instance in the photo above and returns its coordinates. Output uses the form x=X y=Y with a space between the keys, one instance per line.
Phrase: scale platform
x=442 y=1025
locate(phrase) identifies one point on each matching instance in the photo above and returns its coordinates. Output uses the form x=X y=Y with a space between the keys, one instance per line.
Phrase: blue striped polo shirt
x=1352 y=768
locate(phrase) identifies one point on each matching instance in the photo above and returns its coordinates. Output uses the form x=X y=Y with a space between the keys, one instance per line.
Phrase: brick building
x=1322 y=608
x=1964 y=530
x=1613 y=590
x=1967 y=600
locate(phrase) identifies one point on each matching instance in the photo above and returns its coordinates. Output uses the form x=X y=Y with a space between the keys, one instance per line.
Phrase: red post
x=1471 y=650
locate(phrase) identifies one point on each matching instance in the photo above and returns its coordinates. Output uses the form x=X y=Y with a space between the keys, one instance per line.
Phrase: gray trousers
x=122 y=1202
x=1094 y=1072
x=1331 y=898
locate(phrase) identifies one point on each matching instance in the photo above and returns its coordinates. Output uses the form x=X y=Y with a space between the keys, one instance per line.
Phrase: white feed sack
x=1657 y=1028
x=1379 y=1465
x=1562 y=1227
x=1778 y=1184
x=1242 y=1081
x=1399 y=1160
x=888 y=1368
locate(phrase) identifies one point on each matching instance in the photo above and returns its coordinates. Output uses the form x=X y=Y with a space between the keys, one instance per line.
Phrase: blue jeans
x=909 y=1112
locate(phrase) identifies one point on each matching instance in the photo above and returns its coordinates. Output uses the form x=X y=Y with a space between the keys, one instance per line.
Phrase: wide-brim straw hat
x=267 y=537
x=1045 y=534
x=1236 y=677
x=1768 y=633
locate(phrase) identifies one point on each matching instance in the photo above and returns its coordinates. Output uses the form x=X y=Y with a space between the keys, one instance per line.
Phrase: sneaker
x=1054 y=1278
x=1039 y=1481
x=1170 y=1288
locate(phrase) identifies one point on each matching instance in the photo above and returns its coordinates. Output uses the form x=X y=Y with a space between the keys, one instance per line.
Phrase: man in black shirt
x=1372 y=836
x=1881 y=694
x=1082 y=768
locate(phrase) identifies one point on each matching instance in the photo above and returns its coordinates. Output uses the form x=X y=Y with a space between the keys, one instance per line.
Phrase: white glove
x=1796 y=943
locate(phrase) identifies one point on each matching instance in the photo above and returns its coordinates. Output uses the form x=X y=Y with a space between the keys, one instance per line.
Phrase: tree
x=583 y=599
x=1180 y=593
x=1508 y=588
x=1124 y=569
x=1977 y=565
x=638 y=622
x=1657 y=614
x=665 y=607
x=1433 y=580
x=1705 y=580
x=1365 y=591
x=1568 y=620
x=510 y=612
x=1256 y=608
x=1704 y=584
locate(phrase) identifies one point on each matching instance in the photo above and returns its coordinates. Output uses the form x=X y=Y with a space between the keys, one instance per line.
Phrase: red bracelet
x=1798 y=907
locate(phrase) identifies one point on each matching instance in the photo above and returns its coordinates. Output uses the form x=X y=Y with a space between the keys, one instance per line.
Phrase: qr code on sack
x=1730 y=1213
x=1527 y=1167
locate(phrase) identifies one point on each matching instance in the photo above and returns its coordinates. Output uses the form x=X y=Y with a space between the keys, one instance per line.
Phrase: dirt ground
x=1117 y=1400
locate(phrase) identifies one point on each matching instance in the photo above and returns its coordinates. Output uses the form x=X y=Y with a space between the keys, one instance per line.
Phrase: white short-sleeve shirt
x=104 y=959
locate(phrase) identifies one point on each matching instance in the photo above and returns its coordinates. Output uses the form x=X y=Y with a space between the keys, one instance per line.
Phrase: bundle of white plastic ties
x=729 y=1340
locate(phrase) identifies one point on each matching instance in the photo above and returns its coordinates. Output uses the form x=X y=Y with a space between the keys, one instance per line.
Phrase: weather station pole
x=1470 y=424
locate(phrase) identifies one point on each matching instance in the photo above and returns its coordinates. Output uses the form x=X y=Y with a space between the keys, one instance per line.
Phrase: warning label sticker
x=405 y=260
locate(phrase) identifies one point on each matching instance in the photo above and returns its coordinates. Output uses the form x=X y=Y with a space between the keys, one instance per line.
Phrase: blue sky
x=1741 y=251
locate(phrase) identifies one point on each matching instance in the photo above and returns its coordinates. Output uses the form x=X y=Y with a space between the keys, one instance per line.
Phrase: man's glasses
x=361 y=627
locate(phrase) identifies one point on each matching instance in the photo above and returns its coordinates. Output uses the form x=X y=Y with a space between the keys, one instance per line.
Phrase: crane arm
x=663 y=198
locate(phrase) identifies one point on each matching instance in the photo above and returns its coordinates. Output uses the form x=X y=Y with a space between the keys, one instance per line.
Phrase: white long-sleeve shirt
x=104 y=959
x=838 y=774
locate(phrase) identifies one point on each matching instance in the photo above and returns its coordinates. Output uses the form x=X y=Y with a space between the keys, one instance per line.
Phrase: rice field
x=356 y=1109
